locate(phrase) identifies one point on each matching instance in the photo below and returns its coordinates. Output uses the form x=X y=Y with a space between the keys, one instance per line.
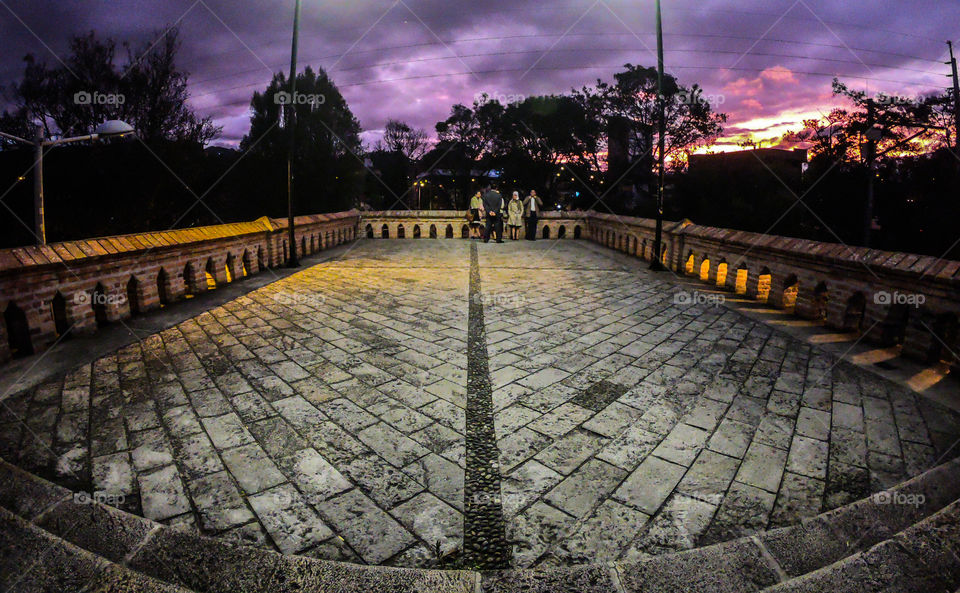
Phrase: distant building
x=788 y=165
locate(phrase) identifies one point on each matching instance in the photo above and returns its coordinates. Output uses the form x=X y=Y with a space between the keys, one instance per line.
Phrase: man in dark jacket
x=493 y=209
x=531 y=211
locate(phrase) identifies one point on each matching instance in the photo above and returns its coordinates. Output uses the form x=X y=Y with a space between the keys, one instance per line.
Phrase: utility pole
x=872 y=137
x=39 y=218
x=956 y=96
x=656 y=263
x=292 y=122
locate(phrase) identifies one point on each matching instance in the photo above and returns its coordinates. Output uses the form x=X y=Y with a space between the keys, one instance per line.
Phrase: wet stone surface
x=443 y=403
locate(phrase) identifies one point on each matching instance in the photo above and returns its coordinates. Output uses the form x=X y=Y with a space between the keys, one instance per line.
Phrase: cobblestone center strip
x=484 y=539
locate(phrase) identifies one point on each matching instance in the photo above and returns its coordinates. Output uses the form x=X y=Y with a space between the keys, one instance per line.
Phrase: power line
x=628 y=49
x=550 y=35
x=560 y=68
x=522 y=52
x=698 y=10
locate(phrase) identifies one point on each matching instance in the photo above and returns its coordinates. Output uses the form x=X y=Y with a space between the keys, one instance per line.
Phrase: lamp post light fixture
x=113 y=128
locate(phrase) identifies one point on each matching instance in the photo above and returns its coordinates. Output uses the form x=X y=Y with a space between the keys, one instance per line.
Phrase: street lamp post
x=108 y=129
x=656 y=263
x=292 y=122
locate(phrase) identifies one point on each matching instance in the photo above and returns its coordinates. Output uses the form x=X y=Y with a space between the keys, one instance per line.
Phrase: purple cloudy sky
x=767 y=63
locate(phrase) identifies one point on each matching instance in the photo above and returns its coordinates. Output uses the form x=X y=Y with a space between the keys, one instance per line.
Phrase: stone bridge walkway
x=345 y=412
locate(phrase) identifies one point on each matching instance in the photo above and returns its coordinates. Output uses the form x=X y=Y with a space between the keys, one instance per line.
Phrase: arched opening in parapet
x=448 y=233
x=705 y=269
x=821 y=295
x=208 y=273
x=384 y=232
x=133 y=295
x=764 y=279
x=722 y=273
x=246 y=263
x=18 y=331
x=791 y=288
x=369 y=231
x=465 y=231
x=58 y=309
x=303 y=246
x=895 y=324
x=400 y=232
x=162 y=284
x=576 y=232
x=853 y=314
x=228 y=267
x=99 y=301
x=260 y=263
x=546 y=232
x=944 y=339
x=740 y=284
x=643 y=249
x=433 y=231
x=416 y=231
x=286 y=251
x=688 y=266
x=561 y=232
x=189 y=288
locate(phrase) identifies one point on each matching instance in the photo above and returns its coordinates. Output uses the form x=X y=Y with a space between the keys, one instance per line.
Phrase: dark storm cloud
x=765 y=63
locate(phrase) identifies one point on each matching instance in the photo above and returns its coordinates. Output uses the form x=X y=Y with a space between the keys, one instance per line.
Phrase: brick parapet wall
x=892 y=297
x=44 y=290
x=454 y=224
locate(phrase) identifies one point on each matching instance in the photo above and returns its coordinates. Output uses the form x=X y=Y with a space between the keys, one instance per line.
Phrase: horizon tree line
x=594 y=146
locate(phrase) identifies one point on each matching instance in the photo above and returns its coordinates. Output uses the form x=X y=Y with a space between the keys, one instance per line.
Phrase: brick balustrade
x=449 y=224
x=893 y=297
x=80 y=284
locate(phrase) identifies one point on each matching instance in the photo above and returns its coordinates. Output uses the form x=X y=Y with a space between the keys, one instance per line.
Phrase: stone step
x=903 y=533
x=188 y=560
x=924 y=557
x=753 y=563
x=34 y=560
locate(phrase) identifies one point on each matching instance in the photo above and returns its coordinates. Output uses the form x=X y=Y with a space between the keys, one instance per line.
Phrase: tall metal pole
x=871 y=152
x=39 y=220
x=292 y=122
x=656 y=263
x=956 y=95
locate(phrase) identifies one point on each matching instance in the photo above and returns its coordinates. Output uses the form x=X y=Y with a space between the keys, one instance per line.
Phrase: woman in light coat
x=515 y=216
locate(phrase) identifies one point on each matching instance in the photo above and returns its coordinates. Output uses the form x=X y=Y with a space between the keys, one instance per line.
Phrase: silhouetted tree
x=632 y=99
x=328 y=163
x=89 y=86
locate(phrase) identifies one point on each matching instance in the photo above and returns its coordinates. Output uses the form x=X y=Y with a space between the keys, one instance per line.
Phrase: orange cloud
x=778 y=74
x=742 y=86
x=751 y=104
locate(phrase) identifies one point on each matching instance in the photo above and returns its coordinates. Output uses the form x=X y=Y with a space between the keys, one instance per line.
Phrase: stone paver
x=325 y=414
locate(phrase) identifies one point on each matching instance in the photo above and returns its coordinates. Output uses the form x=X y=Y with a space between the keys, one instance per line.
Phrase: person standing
x=532 y=206
x=476 y=205
x=493 y=209
x=515 y=216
